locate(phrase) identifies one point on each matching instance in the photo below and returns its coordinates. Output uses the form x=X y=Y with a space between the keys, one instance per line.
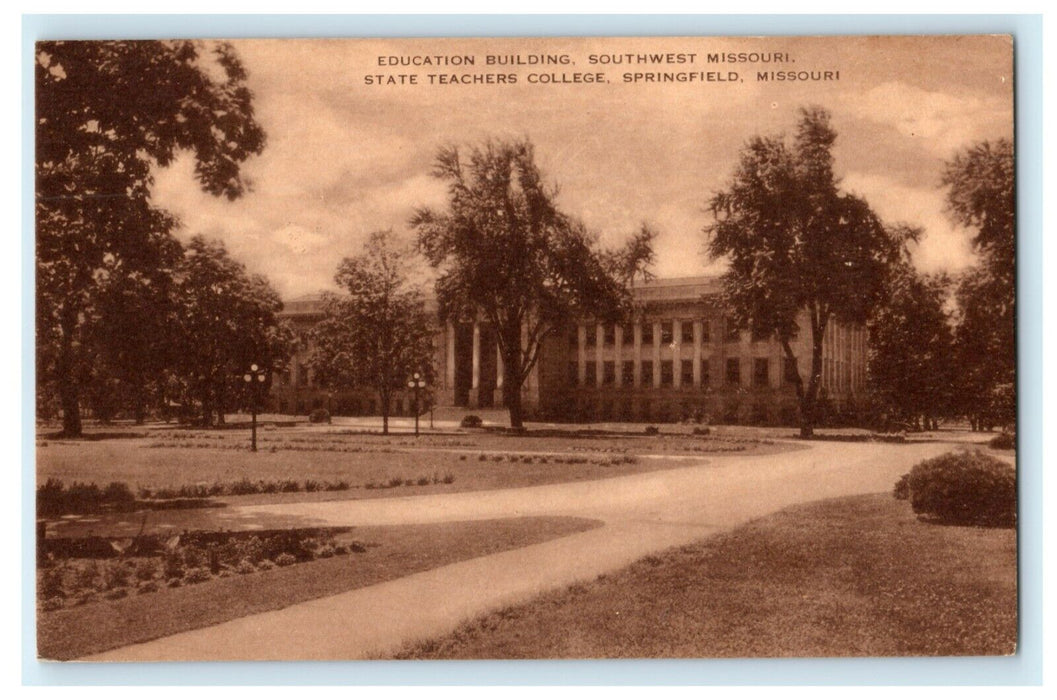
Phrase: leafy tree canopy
x=377 y=334
x=506 y=253
x=797 y=244
x=107 y=112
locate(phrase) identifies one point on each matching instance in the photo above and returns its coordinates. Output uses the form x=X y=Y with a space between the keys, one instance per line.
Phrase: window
x=302 y=375
x=609 y=334
x=647 y=334
x=666 y=333
x=627 y=373
x=687 y=331
x=592 y=335
x=686 y=372
x=706 y=327
x=760 y=372
x=573 y=374
x=629 y=334
x=789 y=370
x=589 y=374
x=704 y=372
x=733 y=371
x=733 y=334
x=609 y=374
x=574 y=338
x=647 y=373
x=667 y=378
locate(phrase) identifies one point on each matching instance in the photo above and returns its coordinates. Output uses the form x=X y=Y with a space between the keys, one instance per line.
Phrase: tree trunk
x=809 y=401
x=512 y=378
x=69 y=392
x=385 y=412
x=512 y=399
x=71 y=408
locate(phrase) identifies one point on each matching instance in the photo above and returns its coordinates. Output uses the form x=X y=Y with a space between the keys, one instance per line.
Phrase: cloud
x=939 y=122
x=944 y=246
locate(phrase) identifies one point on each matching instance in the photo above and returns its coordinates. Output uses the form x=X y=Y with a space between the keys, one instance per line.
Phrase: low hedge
x=963 y=488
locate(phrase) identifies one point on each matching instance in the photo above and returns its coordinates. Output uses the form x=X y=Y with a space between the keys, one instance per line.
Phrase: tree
x=981 y=196
x=107 y=113
x=227 y=321
x=911 y=368
x=796 y=243
x=378 y=333
x=507 y=254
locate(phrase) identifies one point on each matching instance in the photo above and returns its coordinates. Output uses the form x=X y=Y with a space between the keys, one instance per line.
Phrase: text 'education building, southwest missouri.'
x=679 y=359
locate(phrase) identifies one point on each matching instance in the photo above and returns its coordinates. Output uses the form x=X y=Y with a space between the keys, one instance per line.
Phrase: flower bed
x=78 y=571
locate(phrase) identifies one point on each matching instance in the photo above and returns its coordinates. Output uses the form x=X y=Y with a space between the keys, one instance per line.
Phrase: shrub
x=116 y=594
x=326 y=551
x=52 y=603
x=245 y=567
x=319 y=415
x=285 y=559
x=652 y=430
x=52 y=582
x=148 y=587
x=197 y=575
x=1004 y=441
x=312 y=485
x=702 y=431
x=116 y=575
x=967 y=488
x=175 y=583
x=448 y=478
x=341 y=549
x=471 y=421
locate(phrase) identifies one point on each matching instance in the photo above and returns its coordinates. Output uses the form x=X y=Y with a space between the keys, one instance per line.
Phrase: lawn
x=859 y=576
x=392 y=552
x=168 y=458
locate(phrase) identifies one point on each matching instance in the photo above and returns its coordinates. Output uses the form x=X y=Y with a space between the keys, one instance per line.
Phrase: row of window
x=761 y=372
x=667 y=333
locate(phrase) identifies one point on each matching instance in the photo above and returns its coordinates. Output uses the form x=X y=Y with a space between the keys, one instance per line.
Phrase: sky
x=345 y=158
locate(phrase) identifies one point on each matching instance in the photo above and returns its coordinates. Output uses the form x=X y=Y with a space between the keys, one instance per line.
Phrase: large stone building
x=679 y=357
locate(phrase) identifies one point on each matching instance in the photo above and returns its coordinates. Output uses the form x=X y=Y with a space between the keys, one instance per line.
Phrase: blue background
x=1025 y=668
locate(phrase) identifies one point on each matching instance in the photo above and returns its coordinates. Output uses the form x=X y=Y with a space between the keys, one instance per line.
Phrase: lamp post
x=255 y=380
x=417 y=383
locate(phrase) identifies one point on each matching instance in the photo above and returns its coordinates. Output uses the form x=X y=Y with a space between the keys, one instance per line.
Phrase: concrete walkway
x=643 y=513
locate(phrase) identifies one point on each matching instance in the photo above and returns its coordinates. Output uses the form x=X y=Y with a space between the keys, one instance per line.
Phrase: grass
x=400 y=551
x=160 y=461
x=859 y=576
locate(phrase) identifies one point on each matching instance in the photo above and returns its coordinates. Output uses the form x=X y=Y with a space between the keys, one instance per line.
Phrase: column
x=599 y=348
x=476 y=355
x=637 y=353
x=449 y=360
x=498 y=368
x=698 y=333
x=677 y=355
x=581 y=354
x=618 y=358
x=656 y=354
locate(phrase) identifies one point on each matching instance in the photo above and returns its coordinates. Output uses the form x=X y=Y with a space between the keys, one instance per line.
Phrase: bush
x=319 y=415
x=326 y=551
x=245 y=567
x=285 y=559
x=197 y=575
x=148 y=587
x=965 y=488
x=1004 y=441
x=53 y=603
x=471 y=421
x=652 y=430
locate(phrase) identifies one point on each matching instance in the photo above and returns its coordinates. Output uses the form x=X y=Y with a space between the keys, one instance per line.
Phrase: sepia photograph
x=525 y=348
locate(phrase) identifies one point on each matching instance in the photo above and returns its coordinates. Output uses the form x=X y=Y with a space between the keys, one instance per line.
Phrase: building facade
x=680 y=357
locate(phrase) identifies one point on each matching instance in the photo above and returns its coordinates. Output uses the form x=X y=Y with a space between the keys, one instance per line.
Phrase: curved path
x=643 y=513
